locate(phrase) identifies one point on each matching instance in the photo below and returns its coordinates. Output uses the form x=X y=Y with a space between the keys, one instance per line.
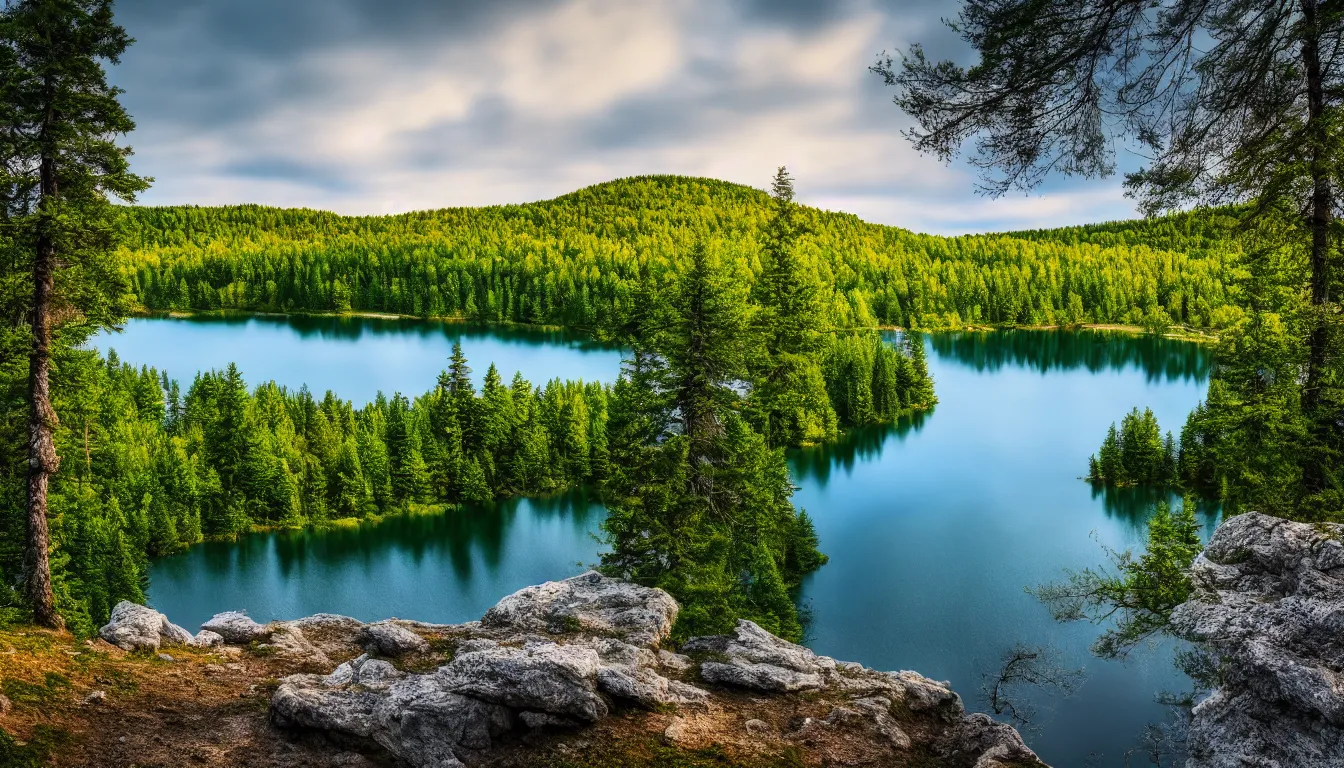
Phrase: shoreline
x=1176 y=332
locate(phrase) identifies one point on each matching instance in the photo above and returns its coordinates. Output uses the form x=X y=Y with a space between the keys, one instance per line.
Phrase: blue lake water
x=934 y=525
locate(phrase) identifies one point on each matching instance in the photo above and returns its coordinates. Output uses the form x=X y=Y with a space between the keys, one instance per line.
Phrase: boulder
x=542 y=677
x=135 y=627
x=388 y=639
x=757 y=660
x=236 y=627
x=411 y=716
x=289 y=641
x=207 y=639
x=1269 y=601
x=590 y=603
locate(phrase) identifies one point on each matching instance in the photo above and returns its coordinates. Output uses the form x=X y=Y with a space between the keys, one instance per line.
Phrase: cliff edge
x=1269 y=600
x=565 y=674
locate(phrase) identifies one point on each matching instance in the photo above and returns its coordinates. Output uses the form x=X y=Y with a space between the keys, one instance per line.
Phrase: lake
x=934 y=525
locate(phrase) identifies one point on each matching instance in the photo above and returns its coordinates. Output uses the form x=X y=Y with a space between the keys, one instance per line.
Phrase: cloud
x=373 y=107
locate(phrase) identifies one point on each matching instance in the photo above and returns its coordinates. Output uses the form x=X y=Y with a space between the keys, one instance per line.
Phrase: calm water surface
x=355 y=356
x=934 y=526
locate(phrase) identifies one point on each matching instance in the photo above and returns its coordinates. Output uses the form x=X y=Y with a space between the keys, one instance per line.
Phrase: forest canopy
x=578 y=260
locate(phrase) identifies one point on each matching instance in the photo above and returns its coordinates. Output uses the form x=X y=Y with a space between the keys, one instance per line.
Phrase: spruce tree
x=59 y=122
x=790 y=393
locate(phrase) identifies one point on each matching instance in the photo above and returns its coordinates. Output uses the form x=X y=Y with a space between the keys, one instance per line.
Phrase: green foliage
x=1138 y=593
x=1137 y=454
x=150 y=470
x=698 y=501
x=584 y=260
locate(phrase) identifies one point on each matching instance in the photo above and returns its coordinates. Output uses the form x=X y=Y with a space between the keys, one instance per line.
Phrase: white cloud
x=537 y=104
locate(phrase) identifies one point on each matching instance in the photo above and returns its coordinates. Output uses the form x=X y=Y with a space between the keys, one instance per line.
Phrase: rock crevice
x=1269 y=601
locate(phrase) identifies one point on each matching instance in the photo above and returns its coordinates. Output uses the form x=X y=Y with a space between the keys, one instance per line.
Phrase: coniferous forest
x=751 y=325
x=156 y=466
x=579 y=260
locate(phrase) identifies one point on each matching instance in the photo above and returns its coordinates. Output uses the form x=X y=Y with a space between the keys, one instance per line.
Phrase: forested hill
x=578 y=259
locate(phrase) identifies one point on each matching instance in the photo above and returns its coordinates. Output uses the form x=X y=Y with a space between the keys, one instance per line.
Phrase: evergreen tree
x=790 y=392
x=60 y=121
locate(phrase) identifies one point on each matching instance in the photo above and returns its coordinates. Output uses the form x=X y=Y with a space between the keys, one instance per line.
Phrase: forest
x=151 y=466
x=578 y=261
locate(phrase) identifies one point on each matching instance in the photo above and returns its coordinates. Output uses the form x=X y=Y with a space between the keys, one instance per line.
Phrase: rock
x=96 y=698
x=207 y=639
x=758 y=660
x=543 y=677
x=165 y=657
x=236 y=628
x=878 y=709
x=675 y=661
x=135 y=627
x=990 y=743
x=559 y=655
x=5 y=705
x=590 y=603
x=388 y=639
x=1269 y=600
x=677 y=732
x=289 y=641
x=647 y=688
x=412 y=717
x=535 y=720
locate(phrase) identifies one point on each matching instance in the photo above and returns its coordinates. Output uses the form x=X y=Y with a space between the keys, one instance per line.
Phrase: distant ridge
x=574 y=260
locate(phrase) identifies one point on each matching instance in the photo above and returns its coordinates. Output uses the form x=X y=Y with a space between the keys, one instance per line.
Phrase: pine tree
x=60 y=120
x=790 y=393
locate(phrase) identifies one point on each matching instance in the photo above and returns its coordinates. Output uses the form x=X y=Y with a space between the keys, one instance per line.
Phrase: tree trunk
x=42 y=459
x=1319 y=220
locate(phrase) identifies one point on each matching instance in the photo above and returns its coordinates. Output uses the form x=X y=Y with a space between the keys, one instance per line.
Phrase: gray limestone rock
x=1269 y=600
x=757 y=660
x=561 y=654
x=543 y=677
x=236 y=627
x=387 y=639
x=135 y=627
x=207 y=639
x=589 y=603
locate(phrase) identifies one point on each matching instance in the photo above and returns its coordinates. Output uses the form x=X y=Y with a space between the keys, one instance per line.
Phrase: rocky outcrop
x=565 y=655
x=1269 y=600
x=135 y=628
x=388 y=639
x=236 y=627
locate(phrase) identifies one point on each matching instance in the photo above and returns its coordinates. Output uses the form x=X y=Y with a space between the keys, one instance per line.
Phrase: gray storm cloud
x=375 y=107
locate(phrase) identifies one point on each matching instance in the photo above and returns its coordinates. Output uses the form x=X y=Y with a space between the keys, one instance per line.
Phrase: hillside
x=577 y=259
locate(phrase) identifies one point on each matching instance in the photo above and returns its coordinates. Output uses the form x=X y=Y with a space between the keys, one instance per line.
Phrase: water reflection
x=1158 y=357
x=440 y=567
x=353 y=328
x=856 y=446
x=356 y=357
x=1133 y=507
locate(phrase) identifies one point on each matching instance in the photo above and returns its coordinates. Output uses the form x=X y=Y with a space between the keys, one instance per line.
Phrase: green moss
x=34 y=752
x=36 y=695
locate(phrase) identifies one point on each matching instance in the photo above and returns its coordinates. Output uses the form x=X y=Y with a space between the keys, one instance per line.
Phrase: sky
x=385 y=106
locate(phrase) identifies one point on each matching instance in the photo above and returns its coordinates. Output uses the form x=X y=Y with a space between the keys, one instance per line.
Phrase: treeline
x=686 y=449
x=149 y=469
x=579 y=260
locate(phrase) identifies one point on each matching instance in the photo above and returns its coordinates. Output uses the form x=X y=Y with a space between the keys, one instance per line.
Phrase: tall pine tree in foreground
x=698 y=502
x=59 y=121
